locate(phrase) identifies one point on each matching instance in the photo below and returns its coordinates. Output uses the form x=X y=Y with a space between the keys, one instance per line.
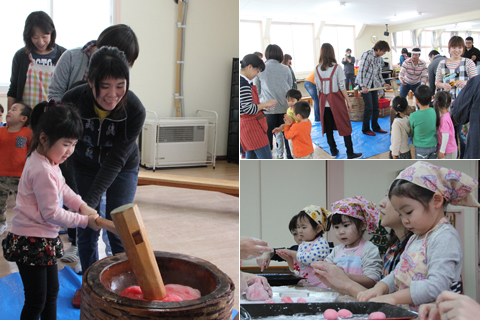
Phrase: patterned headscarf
x=318 y=214
x=456 y=187
x=360 y=208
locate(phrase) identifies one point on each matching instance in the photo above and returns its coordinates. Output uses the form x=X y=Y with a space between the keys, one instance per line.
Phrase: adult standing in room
x=106 y=159
x=349 y=69
x=470 y=51
x=370 y=72
x=333 y=101
x=33 y=65
x=311 y=88
x=73 y=65
x=414 y=73
x=287 y=60
x=435 y=59
x=273 y=84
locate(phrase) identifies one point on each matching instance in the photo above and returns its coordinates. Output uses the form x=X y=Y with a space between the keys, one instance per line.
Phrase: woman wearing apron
x=332 y=95
x=253 y=122
x=452 y=76
x=33 y=65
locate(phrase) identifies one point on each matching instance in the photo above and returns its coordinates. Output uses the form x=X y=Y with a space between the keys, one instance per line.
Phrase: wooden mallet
x=136 y=243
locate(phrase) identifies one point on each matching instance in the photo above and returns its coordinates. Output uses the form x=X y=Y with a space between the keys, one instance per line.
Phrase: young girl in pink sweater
x=33 y=242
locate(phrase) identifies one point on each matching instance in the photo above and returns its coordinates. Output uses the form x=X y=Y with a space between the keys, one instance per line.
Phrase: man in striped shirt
x=414 y=73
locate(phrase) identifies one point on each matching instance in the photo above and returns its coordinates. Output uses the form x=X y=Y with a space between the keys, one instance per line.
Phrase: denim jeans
x=426 y=153
x=407 y=87
x=121 y=191
x=371 y=111
x=312 y=91
x=261 y=153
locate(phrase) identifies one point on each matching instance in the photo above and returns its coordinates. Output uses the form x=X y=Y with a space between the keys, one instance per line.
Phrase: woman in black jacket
x=33 y=65
x=106 y=159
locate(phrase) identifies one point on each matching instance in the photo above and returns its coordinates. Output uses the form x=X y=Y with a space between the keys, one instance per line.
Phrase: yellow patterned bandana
x=318 y=214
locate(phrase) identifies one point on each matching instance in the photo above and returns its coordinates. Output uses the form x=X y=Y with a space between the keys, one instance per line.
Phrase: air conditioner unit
x=174 y=142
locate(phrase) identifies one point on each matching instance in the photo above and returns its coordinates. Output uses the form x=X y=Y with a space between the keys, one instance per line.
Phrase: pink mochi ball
x=301 y=300
x=344 y=313
x=377 y=315
x=287 y=299
x=269 y=301
x=330 y=314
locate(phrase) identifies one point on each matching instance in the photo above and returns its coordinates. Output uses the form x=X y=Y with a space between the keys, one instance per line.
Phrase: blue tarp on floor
x=12 y=296
x=362 y=143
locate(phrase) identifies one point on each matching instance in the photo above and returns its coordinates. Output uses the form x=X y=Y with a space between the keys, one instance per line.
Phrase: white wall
x=272 y=192
x=364 y=43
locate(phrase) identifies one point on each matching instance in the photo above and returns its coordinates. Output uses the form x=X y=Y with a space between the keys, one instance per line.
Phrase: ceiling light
x=405 y=16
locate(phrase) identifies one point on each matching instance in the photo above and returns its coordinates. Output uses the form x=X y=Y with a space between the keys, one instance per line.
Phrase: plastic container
x=383 y=103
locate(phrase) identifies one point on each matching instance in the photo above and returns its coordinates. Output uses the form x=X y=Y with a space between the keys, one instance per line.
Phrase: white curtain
x=394 y=40
x=414 y=37
x=419 y=40
x=434 y=35
x=440 y=44
x=468 y=34
x=453 y=33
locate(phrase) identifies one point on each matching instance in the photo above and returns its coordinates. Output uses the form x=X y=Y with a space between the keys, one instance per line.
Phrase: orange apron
x=337 y=106
x=36 y=85
x=253 y=128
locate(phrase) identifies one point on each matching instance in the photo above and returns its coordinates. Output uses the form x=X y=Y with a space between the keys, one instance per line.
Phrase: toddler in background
x=264 y=261
x=424 y=123
x=360 y=259
x=311 y=223
x=400 y=145
x=15 y=139
x=447 y=146
x=300 y=131
x=433 y=257
x=293 y=96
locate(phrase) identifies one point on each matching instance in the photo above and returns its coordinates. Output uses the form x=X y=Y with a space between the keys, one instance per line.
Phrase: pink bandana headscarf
x=360 y=208
x=456 y=187
x=318 y=214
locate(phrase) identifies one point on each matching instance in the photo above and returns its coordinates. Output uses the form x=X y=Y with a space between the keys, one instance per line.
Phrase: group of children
x=432 y=259
x=297 y=127
x=30 y=160
x=431 y=129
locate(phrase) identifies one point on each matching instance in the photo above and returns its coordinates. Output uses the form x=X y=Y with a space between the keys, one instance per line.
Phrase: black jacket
x=20 y=64
x=107 y=146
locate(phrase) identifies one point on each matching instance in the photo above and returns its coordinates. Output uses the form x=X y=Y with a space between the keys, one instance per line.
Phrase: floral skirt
x=32 y=251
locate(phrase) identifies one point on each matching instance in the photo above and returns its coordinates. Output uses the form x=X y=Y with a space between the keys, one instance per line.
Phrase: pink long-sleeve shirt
x=42 y=192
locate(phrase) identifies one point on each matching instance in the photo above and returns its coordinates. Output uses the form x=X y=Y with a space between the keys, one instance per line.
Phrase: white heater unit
x=174 y=142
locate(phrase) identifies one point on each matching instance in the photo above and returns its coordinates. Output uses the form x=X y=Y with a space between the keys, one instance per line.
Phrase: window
x=73 y=30
x=297 y=40
x=251 y=38
x=341 y=38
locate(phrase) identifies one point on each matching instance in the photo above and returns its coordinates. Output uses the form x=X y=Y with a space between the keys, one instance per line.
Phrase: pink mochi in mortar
x=330 y=314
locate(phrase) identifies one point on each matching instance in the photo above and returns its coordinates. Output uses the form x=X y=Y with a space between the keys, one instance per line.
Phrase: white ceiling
x=370 y=12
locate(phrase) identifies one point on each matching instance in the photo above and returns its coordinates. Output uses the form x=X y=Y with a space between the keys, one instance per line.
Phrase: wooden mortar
x=105 y=279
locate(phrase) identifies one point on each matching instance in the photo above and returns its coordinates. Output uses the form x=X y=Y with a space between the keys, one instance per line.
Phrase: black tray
x=281 y=279
x=258 y=311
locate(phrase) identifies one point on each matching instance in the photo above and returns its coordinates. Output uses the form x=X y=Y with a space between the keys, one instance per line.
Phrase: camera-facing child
x=423 y=124
x=15 y=138
x=311 y=223
x=300 y=132
x=293 y=96
x=400 y=144
x=447 y=145
x=360 y=259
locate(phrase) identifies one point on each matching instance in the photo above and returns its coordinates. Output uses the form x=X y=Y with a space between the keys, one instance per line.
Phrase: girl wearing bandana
x=360 y=259
x=311 y=223
x=432 y=260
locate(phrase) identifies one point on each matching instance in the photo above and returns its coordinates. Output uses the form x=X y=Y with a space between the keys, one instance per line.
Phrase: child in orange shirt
x=300 y=132
x=14 y=140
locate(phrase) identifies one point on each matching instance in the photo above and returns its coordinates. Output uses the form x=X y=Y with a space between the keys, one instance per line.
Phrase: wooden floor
x=224 y=178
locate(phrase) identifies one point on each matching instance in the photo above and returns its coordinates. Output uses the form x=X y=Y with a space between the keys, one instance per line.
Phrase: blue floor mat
x=12 y=296
x=362 y=143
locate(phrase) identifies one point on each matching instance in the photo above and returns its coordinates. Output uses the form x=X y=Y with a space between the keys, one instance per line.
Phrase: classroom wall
x=211 y=42
x=364 y=43
x=272 y=192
